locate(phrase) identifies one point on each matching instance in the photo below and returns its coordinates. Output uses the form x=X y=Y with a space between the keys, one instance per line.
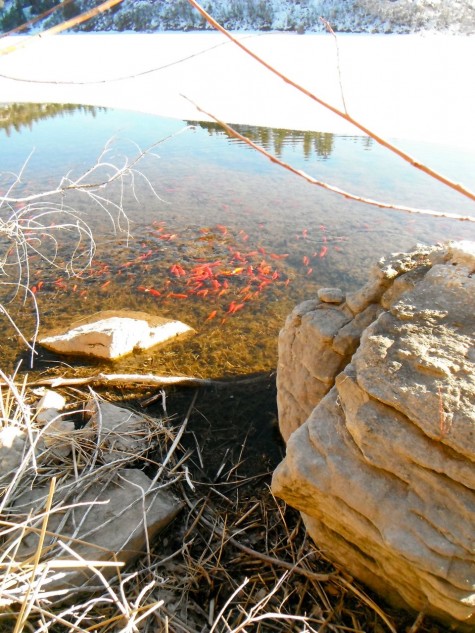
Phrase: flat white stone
x=51 y=400
x=112 y=334
x=122 y=433
x=12 y=449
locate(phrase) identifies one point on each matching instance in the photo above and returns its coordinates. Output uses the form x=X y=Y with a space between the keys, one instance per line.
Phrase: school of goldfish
x=217 y=267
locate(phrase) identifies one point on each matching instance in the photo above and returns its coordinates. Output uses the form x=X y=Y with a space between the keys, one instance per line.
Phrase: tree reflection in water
x=15 y=116
x=318 y=144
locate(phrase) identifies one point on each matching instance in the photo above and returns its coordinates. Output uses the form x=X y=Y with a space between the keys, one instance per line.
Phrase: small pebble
x=331 y=295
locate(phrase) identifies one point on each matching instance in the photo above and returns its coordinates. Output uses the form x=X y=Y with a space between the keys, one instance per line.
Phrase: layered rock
x=376 y=399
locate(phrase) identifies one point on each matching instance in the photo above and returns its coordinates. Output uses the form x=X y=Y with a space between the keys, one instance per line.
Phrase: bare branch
x=324 y=185
x=63 y=26
x=427 y=170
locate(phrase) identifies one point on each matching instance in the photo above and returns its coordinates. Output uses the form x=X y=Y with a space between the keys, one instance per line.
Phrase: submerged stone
x=112 y=334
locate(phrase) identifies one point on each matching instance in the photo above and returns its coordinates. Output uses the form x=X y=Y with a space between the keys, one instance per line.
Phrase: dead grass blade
x=27 y=603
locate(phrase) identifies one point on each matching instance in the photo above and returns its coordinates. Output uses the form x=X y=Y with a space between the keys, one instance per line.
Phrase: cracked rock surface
x=376 y=401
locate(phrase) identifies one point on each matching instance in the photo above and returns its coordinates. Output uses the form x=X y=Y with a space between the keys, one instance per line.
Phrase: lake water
x=229 y=243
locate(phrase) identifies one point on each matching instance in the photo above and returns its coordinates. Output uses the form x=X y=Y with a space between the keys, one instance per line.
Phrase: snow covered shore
x=401 y=86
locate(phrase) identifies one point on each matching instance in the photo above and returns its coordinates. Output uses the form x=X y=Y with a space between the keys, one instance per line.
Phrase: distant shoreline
x=400 y=86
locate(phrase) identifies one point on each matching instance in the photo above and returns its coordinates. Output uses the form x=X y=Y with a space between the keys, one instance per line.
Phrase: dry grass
x=236 y=559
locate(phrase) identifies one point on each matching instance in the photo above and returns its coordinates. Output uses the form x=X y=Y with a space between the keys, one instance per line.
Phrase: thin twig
x=27 y=604
x=328 y=27
x=417 y=623
x=270 y=560
x=367 y=600
x=106 y=80
x=151 y=380
x=175 y=442
x=36 y=19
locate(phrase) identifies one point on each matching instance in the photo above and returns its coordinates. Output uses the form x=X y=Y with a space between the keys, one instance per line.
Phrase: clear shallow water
x=233 y=242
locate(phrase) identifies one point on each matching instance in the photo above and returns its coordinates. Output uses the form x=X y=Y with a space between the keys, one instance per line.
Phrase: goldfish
x=234 y=307
x=211 y=315
x=264 y=268
x=177 y=270
x=176 y=295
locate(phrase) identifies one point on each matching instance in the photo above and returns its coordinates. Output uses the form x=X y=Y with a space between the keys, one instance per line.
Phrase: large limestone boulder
x=112 y=334
x=382 y=467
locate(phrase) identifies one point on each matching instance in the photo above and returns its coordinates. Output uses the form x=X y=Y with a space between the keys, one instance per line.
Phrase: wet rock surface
x=112 y=334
